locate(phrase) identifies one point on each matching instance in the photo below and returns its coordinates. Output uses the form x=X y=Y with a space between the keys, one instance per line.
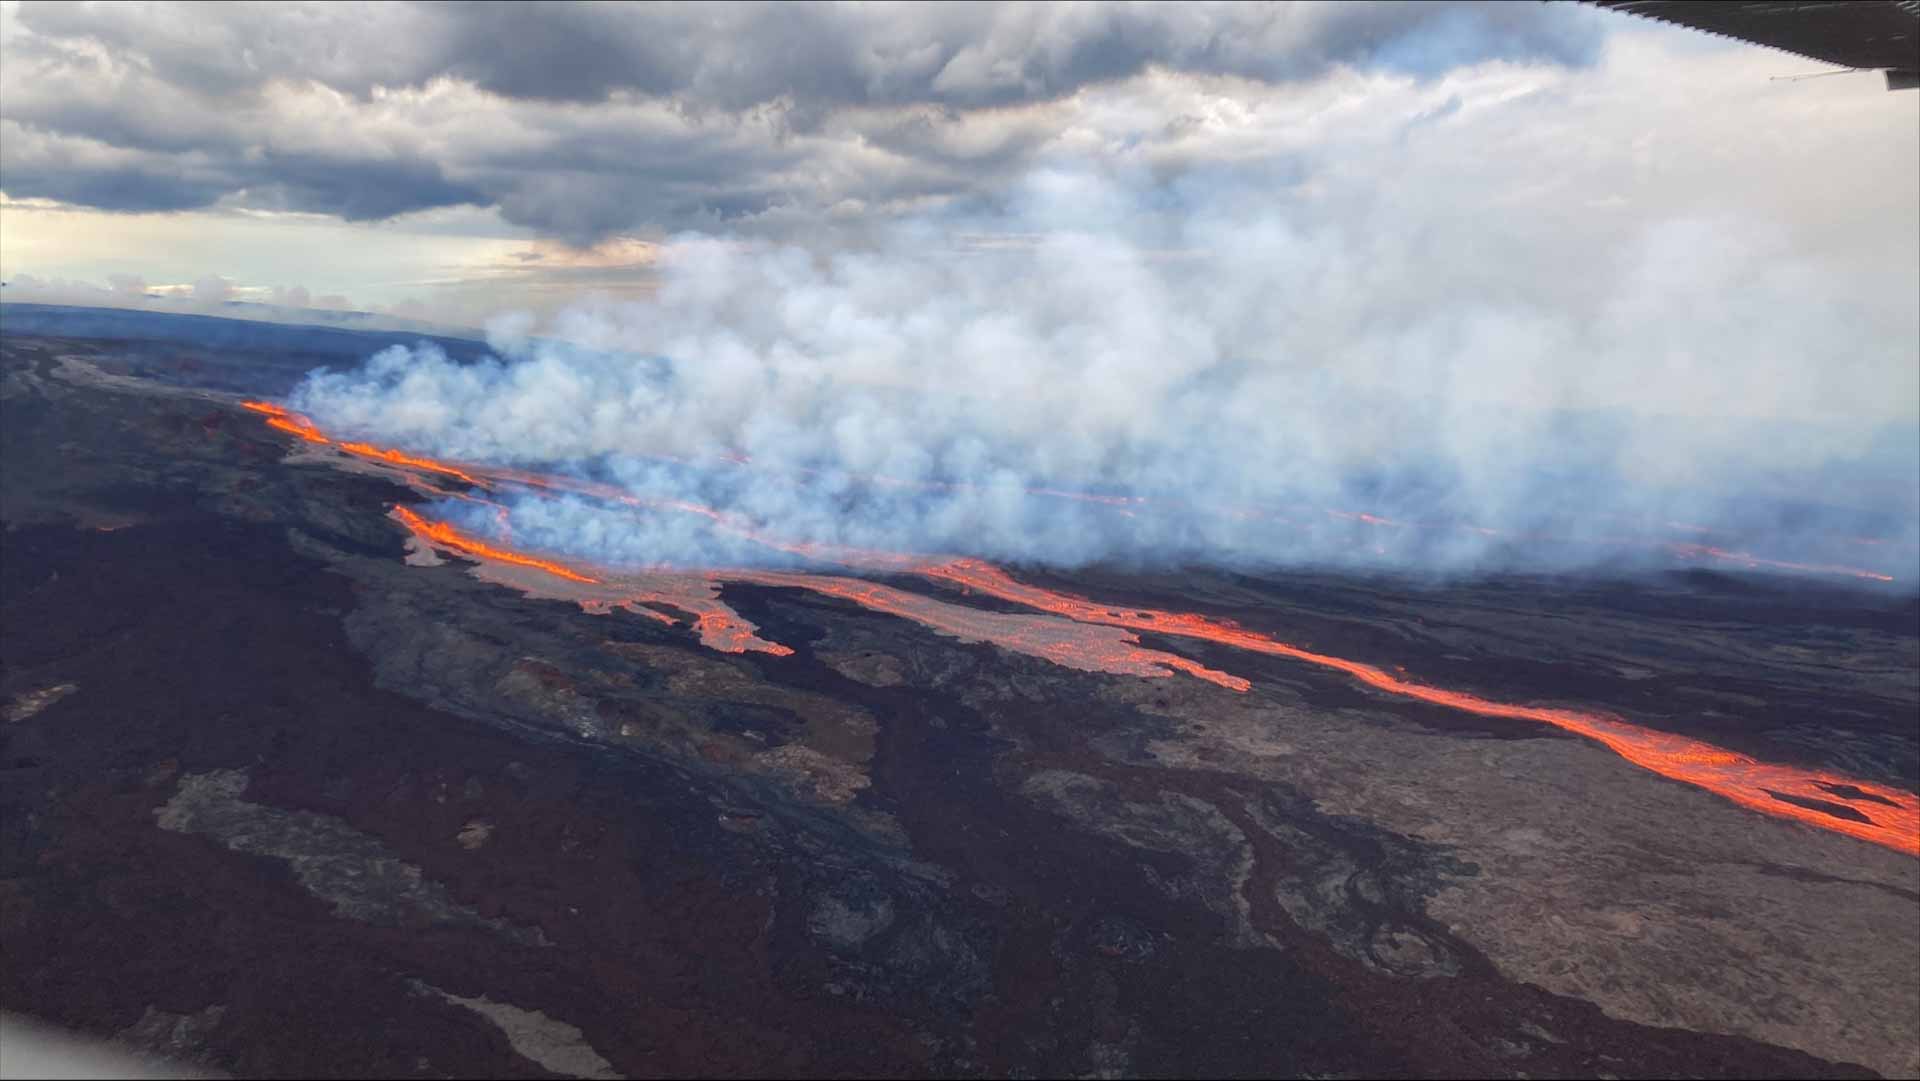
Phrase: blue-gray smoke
x=1260 y=375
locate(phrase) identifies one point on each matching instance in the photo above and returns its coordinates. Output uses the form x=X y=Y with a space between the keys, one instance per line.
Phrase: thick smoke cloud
x=1260 y=371
x=585 y=120
x=1456 y=266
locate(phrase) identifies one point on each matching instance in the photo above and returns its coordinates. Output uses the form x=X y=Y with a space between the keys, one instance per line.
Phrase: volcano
x=316 y=767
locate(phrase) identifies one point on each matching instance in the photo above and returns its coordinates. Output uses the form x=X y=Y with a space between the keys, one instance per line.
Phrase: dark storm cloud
x=964 y=55
x=90 y=173
x=585 y=119
x=44 y=166
x=112 y=187
x=733 y=56
x=359 y=189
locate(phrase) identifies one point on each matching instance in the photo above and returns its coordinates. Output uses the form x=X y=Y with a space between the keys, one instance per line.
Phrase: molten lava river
x=1065 y=629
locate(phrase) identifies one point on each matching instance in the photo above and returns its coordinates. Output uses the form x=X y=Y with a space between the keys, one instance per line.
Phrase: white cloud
x=1542 y=308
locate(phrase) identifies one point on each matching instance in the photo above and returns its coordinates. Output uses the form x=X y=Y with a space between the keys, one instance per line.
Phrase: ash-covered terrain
x=292 y=789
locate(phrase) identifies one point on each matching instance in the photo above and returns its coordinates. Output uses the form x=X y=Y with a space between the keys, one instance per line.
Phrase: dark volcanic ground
x=278 y=804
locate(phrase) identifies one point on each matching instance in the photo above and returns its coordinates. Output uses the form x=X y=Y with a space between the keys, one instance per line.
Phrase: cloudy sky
x=455 y=160
x=1506 y=264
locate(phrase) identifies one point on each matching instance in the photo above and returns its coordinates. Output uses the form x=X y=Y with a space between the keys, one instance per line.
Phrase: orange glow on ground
x=718 y=626
x=695 y=595
x=1089 y=649
x=1892 y=819
x=728 y=633
x=733 y=524
x=445 y=536
x=1707 y=551
x=295 y=424
x=394 y=457
x=1884 y=816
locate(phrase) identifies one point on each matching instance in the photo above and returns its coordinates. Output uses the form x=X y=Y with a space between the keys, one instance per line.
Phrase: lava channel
x=442 y=535
x=696 y=596
x=1089 y=648
x=295 y=424
x=1892 y=821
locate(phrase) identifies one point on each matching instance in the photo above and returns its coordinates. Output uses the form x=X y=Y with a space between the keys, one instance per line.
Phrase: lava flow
x=448 y=537
x=1064 y=643
x=292 y=423
x=1891 y=817
x=1758 y=785
x=295 y=424
x=717 y=626
x=733 y=524
x=694 y=595
x=1707 y=551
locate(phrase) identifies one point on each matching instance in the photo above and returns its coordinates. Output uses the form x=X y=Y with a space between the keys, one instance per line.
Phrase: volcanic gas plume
x=1295 y=520
x=1081 y=633
x=1235 y=393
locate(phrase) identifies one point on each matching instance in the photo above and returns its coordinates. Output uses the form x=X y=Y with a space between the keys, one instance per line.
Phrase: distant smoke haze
x=1513 y=394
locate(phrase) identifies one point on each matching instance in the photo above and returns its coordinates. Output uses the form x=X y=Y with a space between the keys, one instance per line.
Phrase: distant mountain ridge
x=221 y=332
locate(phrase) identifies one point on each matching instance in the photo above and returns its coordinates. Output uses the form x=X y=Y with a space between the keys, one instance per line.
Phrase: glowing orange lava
x=1881 y=815
x=718 y=626
x=295 y=424
x=394 y=457
x=446 y=536
x=1892 y=820
x=733 y=524
x=730 y=635
x=1706 y=551
x=282 y=420
x=697 y=595
x=1062 y=642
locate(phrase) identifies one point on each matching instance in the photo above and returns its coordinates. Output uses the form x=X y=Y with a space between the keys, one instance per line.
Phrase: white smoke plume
x=1257 y=378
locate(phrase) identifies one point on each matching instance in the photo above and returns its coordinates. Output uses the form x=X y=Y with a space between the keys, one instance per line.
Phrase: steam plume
x=1279 y=385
